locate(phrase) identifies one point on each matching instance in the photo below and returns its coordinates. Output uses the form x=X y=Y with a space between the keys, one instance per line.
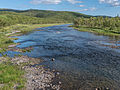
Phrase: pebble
x=53 y=70
x=60 y=82
x=97 y=89
x=58 y=73
x=107 y=89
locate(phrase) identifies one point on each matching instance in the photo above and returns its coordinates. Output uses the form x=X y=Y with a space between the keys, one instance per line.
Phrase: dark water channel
x=85 y=60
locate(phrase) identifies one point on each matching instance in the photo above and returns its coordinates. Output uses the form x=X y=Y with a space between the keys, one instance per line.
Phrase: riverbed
x=86 y=61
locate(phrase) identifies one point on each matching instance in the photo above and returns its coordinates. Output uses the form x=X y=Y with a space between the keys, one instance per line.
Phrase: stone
x=53 y=59
x=97 y=89
x=107 y=89
x=58 y=73
x=60 y=82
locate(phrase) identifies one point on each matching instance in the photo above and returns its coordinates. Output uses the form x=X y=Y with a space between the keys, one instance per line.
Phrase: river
x=85 y=61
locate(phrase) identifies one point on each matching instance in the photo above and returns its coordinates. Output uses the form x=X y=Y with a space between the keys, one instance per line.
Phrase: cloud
x=81 y=5
x=74 y=1
x=53 y=1
x=81 y=10
x=111 y=2
x=86 y=9
x=46 y=1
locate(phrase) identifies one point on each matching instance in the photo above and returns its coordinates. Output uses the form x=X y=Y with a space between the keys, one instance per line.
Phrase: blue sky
x=90 y=7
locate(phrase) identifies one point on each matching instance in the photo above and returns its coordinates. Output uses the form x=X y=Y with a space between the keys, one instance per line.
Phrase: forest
x=8 y=19
x=103 y=24
x=106 y=24
x=11 y=17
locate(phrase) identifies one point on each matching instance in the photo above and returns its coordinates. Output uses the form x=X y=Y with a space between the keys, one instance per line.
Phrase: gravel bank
x=38 y=78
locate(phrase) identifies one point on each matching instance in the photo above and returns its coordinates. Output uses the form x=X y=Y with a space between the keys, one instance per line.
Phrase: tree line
x=106 y=23
x=7 y=20
x=32 y=16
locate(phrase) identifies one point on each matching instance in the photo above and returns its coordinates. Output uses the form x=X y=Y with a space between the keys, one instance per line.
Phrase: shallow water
x=83 y=58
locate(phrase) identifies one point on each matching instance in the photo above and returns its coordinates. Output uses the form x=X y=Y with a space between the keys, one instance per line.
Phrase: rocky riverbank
x=37 y=77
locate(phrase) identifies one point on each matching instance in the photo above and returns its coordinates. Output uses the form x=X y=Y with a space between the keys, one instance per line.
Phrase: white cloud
x=111 y=2
x=46 y=1
x=74 y=1
x=81 y=10
x=53 y=1
x=87 y=9
x=81 y=5
x=84 y=10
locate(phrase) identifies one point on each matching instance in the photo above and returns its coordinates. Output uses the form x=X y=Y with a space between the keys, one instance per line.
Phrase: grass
x=11 y=76
x=23 y=29
x=97 y=31
x=4 y=42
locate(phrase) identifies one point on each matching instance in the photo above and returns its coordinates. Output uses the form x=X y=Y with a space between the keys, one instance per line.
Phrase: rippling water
x=83 y=58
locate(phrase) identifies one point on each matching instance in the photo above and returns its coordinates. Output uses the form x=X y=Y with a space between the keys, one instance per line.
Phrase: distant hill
x=10 y=10
x=61 y=15
x=32 y=16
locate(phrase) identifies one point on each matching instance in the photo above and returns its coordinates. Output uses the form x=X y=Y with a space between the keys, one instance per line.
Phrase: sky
x=89 y=7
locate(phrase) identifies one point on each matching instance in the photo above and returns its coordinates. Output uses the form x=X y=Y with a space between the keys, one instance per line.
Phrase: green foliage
x=4 y=42
x=63 y=16
x=9 y=41
x=106 y=24
x=10 y=76
x=8 y=20
x=39 y=16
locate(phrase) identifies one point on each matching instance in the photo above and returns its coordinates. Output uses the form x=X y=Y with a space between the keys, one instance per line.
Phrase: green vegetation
x=10 y=76
x=4 y=42
x=8 y=20
x=106 y=26
x=39 y=16
x=54 y=15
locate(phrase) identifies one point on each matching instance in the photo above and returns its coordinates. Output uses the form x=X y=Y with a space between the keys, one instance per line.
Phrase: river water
x=85 y=61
